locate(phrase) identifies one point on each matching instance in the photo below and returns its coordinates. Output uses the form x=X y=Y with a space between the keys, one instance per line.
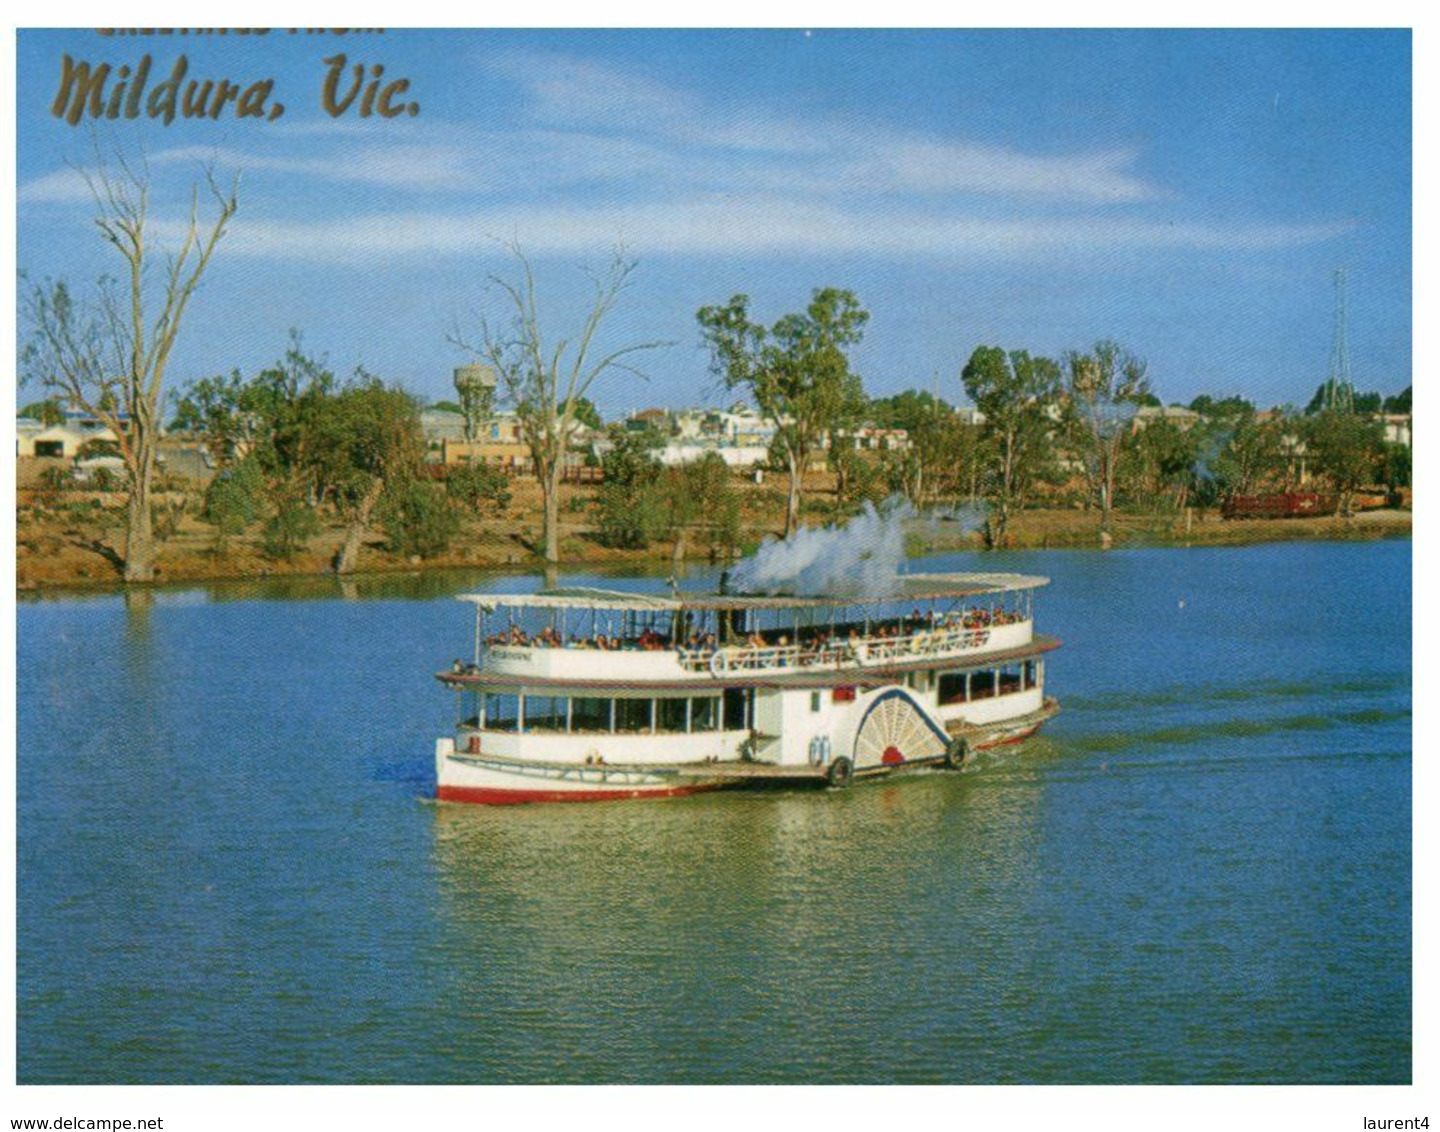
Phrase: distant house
x=440 y=425
x=677 y=453
x=26 y=429
x=59 y=441
x=870 y=439
x=649 y=420
x=1397 y=427
x=63 y=441
x=1182 y=418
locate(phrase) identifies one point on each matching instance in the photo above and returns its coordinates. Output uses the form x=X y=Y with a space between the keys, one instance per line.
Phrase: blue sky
x=1189 y=193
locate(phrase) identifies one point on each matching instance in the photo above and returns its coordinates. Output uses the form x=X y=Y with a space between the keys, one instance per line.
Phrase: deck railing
x=836 y=654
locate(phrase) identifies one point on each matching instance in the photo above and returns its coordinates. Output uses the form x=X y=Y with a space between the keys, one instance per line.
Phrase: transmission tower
x=1339 y=391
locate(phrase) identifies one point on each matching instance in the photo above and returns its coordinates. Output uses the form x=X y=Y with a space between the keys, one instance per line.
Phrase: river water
x=229 y=871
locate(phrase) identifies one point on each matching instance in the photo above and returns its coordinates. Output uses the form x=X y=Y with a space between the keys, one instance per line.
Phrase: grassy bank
x=74 y=539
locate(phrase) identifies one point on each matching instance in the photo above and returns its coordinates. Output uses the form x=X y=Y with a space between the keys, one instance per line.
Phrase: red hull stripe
x=492 y=796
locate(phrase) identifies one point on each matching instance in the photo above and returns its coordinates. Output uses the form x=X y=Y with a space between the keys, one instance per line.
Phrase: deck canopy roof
x=907 y=587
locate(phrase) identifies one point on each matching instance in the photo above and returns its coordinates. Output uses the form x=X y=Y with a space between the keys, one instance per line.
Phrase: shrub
x=232 y=501
x=418 y=520
x=629 y=507
x=478 y=487
x=57 y=479
x=289 y=529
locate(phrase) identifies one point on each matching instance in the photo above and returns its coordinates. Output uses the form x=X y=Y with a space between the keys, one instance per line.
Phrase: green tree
x=286 y=403
x=478 y=488
x=419 y=519
x=292 y=525
x=1397 y=467
x=906 y=409
x=1163 y=457
x=1014 y=391
x=1399 y=403
x=936 y=460
x=211 y=407
x=629 y=511
x=1208 y=406
x=372 y=436
x=1361 y=402
x=587 y=414
x=695 y=501
x=858 y=477
x=48 y=412
x=1348 y=450
x=316 y=441
x=1106 y=386
x=233 y=500
x=1243 y=453
x=797 y=371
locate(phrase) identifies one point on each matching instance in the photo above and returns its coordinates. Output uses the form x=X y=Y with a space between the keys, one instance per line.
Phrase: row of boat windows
x=963 y=687
x=680 y=714
x=623 y=716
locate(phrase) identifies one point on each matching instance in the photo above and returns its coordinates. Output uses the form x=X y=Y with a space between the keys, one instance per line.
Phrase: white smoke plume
x=970 y=516
x=857 y=559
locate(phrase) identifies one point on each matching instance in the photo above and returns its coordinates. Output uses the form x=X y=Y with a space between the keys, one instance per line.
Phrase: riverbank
x=1055 y=528
x=76 y=544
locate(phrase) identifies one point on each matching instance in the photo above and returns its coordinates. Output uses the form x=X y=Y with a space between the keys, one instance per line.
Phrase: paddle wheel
x=897 y=730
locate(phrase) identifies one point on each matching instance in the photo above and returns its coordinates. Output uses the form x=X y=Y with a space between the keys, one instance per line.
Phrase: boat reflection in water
x=785 y=936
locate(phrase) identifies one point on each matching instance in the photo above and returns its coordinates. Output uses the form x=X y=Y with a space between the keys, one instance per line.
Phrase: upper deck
x=605 y=638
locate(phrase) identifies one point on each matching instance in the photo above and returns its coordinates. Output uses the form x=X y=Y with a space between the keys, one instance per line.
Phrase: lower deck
x=568 y=780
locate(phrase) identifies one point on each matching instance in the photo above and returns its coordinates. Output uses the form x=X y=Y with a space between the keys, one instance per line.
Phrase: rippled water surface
x=229 y=871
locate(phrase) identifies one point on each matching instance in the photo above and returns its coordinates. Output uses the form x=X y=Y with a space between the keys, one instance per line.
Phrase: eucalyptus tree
x=107 y=354
x=797 y=371
x=1348 y=450
x=1017 y=394
x=1105 y=387
x=547 y=379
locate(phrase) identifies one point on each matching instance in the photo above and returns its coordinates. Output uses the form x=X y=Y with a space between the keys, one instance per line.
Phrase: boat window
x=502 y=712
x=670 y=714
x=633 y=715
x=469 y=709
x=982 y=684
x=588 y=714
x=1009 y=679
x=546 y=713
x=704 y=713
x=954 y=687
x=1030 y=674
x=737 y=709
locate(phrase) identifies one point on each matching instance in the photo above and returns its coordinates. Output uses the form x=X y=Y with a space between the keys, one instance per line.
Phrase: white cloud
x=396 y=166
x=851 y=151
x=717 y=226
x=64 y=185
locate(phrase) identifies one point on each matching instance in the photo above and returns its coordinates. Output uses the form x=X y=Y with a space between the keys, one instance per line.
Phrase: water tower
x=475 y=386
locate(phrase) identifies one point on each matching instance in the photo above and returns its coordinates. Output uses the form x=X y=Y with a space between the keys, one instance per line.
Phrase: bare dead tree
x=107 y=356
x=546 y=383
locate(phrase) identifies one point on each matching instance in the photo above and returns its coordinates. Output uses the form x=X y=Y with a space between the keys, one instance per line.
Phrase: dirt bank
x=74 y=540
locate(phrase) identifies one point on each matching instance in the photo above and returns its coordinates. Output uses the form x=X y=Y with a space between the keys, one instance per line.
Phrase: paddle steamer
x=579 y=694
